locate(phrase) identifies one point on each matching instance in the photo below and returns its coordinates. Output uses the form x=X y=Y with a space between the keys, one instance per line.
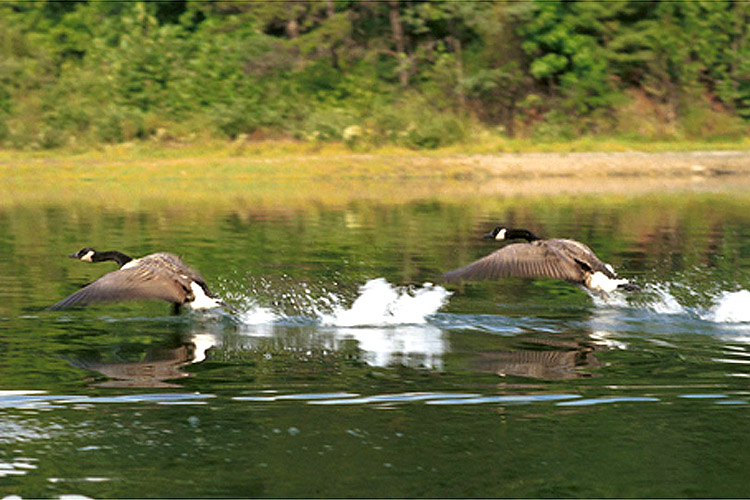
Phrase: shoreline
x=296 y=180
x=613 y=164
x=327 y=160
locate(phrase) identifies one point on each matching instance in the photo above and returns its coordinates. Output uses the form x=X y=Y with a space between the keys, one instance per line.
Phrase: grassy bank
x=287 y=174
x=148 y=149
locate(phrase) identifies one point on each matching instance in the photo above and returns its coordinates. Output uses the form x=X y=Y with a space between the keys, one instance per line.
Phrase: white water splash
x=730 y=307
x=377 y=303
x=249 y=312
x=258 y=315
x=368 y=319
x=380 y=303
x=615 y=299
x=664 y=302
x=716 y=306
x=654 y=297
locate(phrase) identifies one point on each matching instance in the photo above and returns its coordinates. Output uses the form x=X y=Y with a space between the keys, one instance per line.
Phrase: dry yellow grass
x=286 y=175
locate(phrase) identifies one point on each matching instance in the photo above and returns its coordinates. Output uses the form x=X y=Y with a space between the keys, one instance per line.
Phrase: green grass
x=286 y=173
x=486 y=144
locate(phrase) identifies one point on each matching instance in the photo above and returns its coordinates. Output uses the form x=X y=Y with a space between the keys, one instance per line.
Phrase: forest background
x=417 y=74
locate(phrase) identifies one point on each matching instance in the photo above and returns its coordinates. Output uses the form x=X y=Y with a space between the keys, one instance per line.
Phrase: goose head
x=86 y=254
x=499 y=233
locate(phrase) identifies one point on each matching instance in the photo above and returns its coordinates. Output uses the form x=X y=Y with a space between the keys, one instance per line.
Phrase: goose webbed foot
x=629 y=287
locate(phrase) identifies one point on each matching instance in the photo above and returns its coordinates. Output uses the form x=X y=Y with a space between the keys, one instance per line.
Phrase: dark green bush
x=119 y=123
x=328 y=124
x=436 y=131
x=118 y=71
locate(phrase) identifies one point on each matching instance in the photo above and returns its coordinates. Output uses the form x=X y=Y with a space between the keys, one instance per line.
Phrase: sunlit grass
x=287 y=173
x=484 y=144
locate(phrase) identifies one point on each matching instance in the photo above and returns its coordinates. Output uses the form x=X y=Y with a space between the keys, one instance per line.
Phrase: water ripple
x=395 y=398
x=703 y=396
x=18 y=467
x=609 y=399
x=297 y=397
x=34 y=400
x=17 y=400
x=532 y=398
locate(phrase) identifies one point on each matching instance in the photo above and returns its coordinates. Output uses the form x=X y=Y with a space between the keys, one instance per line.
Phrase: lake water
x=350 y=371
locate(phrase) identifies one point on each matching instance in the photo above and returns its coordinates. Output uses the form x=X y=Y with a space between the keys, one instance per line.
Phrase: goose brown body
x=562 y=259
x=161 y=276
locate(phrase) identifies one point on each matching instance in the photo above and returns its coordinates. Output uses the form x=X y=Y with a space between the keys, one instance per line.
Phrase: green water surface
x=519 y=388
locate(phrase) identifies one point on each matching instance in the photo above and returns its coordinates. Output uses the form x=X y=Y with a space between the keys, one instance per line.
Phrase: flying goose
x=161 y=276
x=563 y=259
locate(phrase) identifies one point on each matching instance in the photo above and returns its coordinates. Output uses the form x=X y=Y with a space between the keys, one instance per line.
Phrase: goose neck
x=114 y=255
x=521 y=234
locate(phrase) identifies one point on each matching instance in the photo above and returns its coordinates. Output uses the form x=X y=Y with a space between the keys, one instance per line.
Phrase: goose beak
x=489 y=236
x=73 y=256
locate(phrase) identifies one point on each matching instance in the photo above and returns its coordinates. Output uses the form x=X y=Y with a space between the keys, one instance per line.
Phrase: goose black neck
x=118 y=257
x=520 y=234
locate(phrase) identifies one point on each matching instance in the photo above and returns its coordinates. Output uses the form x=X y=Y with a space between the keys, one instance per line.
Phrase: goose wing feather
x=521 y=260
x=171 y=263
x=582 y=254
x=144 y=281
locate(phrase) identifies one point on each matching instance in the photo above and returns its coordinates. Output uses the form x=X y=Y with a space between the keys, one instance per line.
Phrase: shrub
x=700 y=120
x=119 y=123
x=415 y=122
x=328 y=124
x=436 y=131
x=245 y=116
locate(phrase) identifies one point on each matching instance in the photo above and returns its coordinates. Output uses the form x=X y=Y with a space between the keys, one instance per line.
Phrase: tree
x=566 y=44
x=398 y=41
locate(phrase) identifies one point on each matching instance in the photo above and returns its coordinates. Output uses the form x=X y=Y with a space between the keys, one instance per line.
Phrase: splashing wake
x=730 y=307
x=380 y=303
x=717 y=306
x=377 y=303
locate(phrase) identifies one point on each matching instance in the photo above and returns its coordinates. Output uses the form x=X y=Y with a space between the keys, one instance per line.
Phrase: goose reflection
x=160 y=364
x=535 y=354
x=541 y=353
x=541 y=358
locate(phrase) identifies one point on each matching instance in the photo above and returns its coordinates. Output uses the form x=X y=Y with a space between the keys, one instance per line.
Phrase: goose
x=563 y=259
x=161 y=276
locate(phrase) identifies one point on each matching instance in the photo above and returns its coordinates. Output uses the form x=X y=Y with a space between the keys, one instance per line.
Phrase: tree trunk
x=292 y=29
x=398 y=38
x=330 y=12
x=510 y=118
x=459 y=71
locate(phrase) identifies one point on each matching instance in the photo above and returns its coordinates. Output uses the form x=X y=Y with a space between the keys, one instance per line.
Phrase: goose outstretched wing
x=520 y=260
x=141 y=282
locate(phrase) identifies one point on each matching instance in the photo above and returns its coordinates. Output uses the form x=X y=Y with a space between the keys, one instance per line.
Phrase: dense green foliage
x=419 y=74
